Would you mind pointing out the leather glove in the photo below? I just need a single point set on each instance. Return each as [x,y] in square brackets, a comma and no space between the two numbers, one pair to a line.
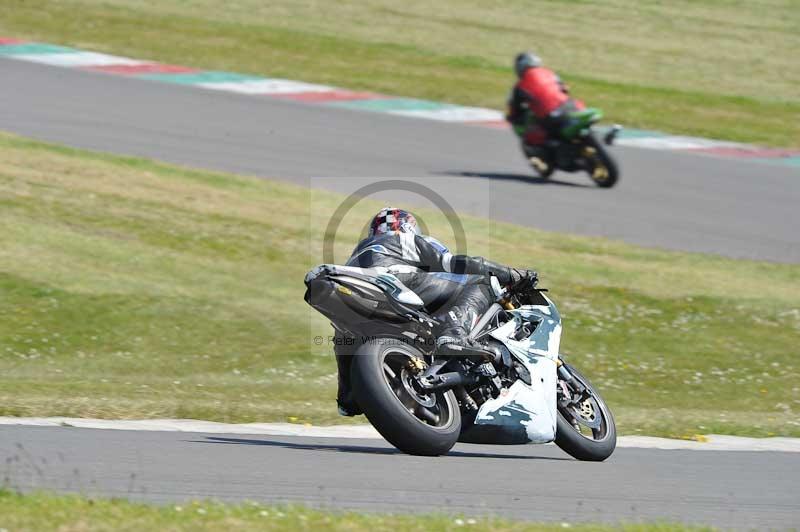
[517,275]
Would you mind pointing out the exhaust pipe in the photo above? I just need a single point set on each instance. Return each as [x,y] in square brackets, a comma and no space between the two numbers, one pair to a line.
[446,381]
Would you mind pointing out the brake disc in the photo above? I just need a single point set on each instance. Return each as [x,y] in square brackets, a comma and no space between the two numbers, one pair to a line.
[587,413]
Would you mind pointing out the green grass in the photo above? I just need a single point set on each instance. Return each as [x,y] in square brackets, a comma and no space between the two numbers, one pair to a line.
[716,68]
[133,289]
[43,511]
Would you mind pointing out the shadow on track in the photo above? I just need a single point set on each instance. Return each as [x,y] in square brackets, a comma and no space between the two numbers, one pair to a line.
[530,179]
[358,448]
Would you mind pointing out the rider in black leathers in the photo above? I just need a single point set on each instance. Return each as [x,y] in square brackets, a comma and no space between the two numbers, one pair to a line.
[454,288]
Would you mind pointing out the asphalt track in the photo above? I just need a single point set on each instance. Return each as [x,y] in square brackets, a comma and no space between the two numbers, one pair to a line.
[537,483]
[667,199]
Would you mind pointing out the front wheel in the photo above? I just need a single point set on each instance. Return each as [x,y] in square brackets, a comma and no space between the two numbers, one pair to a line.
[384,383]
[601,167]
[585,427]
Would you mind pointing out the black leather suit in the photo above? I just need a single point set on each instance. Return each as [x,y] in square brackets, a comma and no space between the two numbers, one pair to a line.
[455,288]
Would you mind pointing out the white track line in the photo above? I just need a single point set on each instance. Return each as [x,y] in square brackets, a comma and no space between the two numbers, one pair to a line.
[77,59]
[677,142]
[266,86]
[711,442]
[454,114]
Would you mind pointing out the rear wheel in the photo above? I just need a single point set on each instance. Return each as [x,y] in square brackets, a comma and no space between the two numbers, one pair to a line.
[384,383]
[585,428]
[602,168]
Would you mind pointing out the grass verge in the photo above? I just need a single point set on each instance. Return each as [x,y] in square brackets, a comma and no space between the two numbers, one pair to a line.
[134,289]
[720,69]
[67,513]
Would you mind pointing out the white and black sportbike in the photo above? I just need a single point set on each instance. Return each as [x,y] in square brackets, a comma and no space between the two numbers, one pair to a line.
[508,385]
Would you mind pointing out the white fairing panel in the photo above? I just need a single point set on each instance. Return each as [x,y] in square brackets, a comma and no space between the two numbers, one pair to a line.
[527,413]
[532,407]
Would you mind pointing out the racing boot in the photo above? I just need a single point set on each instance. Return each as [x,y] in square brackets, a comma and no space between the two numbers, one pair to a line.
[537,159]
[452,341]
[456,342]
[458,322]
[344,395]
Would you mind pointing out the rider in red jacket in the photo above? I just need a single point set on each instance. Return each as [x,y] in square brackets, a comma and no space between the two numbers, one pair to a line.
[539,103]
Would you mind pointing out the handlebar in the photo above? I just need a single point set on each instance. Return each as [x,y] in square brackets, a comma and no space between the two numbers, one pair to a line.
[518,290]
[525,283]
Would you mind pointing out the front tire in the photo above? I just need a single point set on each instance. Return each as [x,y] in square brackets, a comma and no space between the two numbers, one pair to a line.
[602,168]
[383,384]
[573,433]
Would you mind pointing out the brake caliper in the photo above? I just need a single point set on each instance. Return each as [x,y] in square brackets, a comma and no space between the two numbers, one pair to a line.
[416,365]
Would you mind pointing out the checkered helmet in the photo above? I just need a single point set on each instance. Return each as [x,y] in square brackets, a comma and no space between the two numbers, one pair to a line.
[391,220]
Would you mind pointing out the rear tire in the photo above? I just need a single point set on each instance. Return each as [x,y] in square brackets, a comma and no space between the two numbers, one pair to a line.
[392,409]
[576,444]
[604,160]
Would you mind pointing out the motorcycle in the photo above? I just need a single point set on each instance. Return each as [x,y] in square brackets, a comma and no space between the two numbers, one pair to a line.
[508,385]
[576,148]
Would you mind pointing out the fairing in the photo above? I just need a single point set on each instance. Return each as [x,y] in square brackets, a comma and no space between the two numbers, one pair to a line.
[581,120]
[525,413]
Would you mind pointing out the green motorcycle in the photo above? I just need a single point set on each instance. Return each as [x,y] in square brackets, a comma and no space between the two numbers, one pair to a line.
[576,148]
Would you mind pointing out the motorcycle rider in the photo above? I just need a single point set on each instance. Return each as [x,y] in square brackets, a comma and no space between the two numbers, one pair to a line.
[454,288]
[539,106]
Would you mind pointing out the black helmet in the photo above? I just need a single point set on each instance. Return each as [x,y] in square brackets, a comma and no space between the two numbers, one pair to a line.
[526,60]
